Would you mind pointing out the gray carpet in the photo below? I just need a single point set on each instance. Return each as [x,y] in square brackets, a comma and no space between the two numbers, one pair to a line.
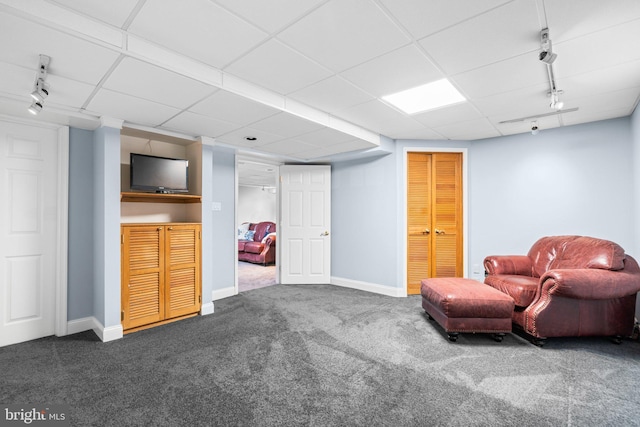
[324,356]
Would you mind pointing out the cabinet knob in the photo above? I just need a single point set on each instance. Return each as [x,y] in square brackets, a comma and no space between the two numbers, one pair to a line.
[170,228]
[159,228]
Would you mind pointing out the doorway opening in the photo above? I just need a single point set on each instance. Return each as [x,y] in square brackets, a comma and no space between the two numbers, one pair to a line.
[257,221]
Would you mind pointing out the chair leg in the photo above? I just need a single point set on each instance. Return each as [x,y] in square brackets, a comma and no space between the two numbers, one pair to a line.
[498,337]
[453,336]
[616,340]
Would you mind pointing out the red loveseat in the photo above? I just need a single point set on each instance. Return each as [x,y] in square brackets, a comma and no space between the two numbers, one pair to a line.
[569,286]
[261,247]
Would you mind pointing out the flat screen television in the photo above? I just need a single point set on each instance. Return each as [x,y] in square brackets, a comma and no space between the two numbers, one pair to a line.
[159,174]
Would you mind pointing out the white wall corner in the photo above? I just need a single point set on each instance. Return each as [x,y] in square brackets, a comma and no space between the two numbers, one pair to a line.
[206,309]
[369,287]
[107,334]
[110,122]
[223,293]
[206,140]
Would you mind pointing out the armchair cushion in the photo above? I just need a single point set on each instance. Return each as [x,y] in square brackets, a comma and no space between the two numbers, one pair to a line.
[521,288]
[253,247]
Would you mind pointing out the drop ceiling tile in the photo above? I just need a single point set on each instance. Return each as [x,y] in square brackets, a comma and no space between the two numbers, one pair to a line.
[67,92]
[113,12]
[346,147]
[401,69]
[424,133]
[344,33]
[587,116]
[68,54]
[566,21]
[233,108]
[198,125]
[156,84]
[238,137]
[199,29]
[473,129]
[609,79]
[286,125]
[129,108]
[325,137]
[331,95]
[622,99]
[424,17]
[379,117]
[505,76]
[17,80]
[497,35]
[277,67]
[461,112]
[598,50]
[287,147]
[270,15]
[516,103]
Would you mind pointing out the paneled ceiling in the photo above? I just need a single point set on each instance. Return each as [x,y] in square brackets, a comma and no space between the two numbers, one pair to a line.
[305,77]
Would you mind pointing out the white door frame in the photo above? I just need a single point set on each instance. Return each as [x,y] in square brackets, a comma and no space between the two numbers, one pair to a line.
[403,208]
[276,165]
[62,243]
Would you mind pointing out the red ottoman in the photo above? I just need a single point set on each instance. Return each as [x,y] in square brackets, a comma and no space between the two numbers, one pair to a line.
[465,305]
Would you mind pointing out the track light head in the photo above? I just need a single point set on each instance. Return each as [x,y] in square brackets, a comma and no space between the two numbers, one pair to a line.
[547,56]
[40,91]
[534,128]
[35,108]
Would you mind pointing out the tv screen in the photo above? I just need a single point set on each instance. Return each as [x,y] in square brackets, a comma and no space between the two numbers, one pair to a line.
[159,174]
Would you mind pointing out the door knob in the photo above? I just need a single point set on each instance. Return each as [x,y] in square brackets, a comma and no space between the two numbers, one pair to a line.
[426,231]
[326,233]
[439,231]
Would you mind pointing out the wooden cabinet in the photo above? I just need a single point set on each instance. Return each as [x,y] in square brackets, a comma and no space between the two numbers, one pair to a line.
[160,273]
[434,217]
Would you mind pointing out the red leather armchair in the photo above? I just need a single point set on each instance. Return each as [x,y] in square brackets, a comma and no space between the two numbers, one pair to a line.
[261,248]
[569,286]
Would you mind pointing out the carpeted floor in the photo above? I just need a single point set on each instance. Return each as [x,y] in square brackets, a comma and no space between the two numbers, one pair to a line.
[324,356]
[255,276]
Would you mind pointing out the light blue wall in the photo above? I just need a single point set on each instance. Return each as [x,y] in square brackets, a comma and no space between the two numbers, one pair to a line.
[207,241]
[106,199]
[569,180]
[364,243]
[81,226]
[224,248]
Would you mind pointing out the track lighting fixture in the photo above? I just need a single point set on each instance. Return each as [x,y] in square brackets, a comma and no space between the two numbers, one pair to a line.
[534,128]
[556,104]
[40,91]
[547,56]
[40,88]
[35,108]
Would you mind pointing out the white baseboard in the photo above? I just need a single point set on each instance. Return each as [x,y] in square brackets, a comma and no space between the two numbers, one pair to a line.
[368,287]
[207,308]
[223,293]
[91,323]
[81,325]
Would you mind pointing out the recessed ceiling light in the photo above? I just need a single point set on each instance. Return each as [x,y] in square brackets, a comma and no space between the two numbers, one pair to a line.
[426,97]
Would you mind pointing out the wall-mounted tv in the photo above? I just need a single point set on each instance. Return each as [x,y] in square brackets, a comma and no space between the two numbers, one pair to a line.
[159,174]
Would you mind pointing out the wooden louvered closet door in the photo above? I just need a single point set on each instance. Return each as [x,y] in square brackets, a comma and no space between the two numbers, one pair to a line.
[434,217]
[160,273]
[183,270]
[142,291]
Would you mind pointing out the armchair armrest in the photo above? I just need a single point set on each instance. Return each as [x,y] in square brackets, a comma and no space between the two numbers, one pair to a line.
[509,264]
[590,283]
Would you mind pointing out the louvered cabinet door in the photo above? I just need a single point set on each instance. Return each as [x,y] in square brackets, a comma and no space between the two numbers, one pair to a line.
[142,275]
[447,215]
[434,217]
[418,219]
[183,289]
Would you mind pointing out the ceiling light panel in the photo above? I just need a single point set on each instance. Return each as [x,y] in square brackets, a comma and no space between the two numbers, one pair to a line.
[426,97]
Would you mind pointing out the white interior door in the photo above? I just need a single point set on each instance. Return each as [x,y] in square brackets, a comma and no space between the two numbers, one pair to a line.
[304,234]
[28,232]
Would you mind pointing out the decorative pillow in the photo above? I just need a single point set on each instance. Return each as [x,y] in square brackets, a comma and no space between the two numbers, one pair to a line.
[264,240]
[242,229]
[248,235]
